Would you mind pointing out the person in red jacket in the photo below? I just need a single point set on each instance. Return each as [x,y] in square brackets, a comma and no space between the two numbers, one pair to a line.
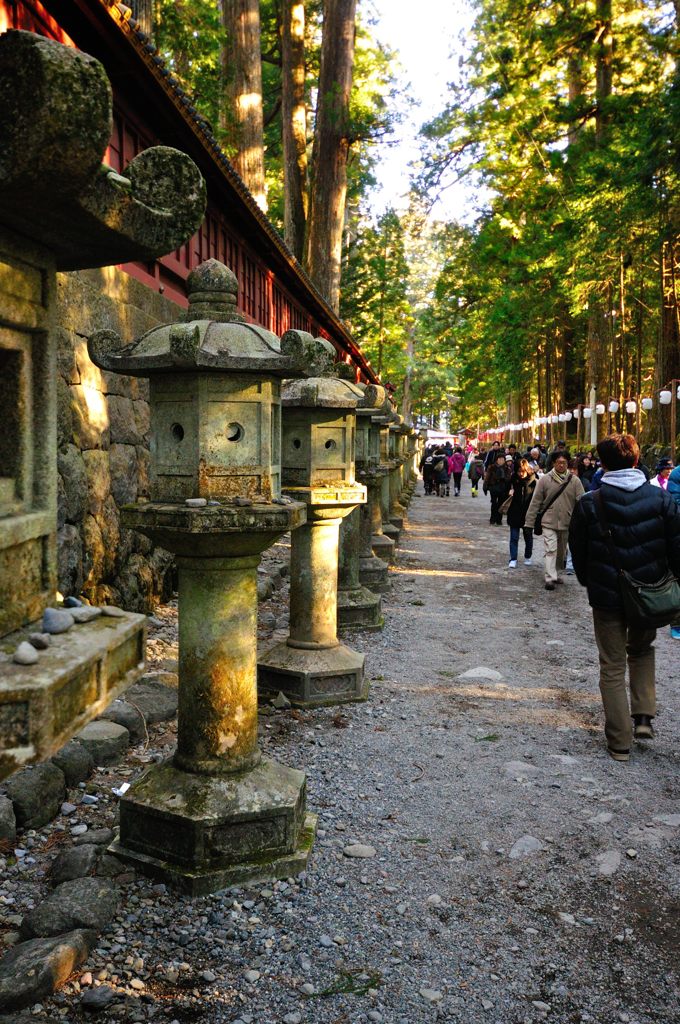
[457,465]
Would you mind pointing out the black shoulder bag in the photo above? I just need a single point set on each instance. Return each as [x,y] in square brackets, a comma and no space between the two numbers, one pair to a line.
[645,605]
[538,521]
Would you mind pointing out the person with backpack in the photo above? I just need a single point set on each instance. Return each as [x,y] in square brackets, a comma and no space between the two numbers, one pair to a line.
[625,527]
[522,488]
[475,473]
[497,485]
[440,472]
[426,464]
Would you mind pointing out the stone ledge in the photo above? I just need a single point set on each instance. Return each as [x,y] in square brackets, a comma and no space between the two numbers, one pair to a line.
[77,677]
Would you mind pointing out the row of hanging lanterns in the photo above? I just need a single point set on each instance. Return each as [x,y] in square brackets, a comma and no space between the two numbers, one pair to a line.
[665,398]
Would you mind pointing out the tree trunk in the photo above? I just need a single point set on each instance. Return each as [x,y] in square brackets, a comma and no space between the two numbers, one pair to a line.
[294,124]
[330,150]
[242,68]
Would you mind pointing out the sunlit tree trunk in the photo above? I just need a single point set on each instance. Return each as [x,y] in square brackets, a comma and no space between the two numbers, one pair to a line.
[328,186]
[294,124]
[242,68]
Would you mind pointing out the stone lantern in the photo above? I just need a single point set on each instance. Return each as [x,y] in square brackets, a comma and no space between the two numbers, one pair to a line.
[360,607]
[382,544]
[312,667]
[389,465]
[217,813]
[397,511]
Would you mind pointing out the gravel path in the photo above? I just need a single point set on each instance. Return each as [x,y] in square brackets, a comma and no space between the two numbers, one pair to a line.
[518,874]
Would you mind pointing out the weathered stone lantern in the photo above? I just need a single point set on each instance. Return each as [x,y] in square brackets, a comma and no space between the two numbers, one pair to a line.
[359,607]
[397,511]
[388,463]
[312,667]
[382,545]
[217,813]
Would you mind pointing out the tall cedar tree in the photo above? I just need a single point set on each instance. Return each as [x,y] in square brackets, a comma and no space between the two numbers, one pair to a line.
[294,123]
[328,179]
[242,69]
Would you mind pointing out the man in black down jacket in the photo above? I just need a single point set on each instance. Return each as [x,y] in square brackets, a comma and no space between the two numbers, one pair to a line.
[645,526]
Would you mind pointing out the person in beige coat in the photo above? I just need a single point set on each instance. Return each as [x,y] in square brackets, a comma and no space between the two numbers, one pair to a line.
[556,518]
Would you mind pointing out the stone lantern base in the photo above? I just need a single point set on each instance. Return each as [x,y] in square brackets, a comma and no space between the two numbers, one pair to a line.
[374,573]
[312,678]
[360,609]
[203,833]
[383,548]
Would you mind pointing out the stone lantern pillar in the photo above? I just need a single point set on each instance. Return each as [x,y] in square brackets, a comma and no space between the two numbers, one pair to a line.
[359,607]
[386,465]
[396,511]
[217,813]
[312,667]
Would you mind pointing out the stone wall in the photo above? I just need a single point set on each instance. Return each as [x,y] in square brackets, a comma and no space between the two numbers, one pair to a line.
[103,444]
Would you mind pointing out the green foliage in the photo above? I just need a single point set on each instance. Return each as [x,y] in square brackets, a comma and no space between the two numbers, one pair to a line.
[582,184]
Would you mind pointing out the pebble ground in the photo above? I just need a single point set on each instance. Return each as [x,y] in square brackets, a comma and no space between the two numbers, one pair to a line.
[518,875]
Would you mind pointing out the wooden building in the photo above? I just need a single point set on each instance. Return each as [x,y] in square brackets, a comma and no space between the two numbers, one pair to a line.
[150,108]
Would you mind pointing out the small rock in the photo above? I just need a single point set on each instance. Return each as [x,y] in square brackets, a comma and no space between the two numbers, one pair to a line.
[359,850]
[107,742]
[32,970]
[608,862]
[209,976]
[86,614]
[95,999]
[82,903]
[196,502]
[41,641]
[37,793]
[435,899]
[25,654]
[281,701]
[431,995]
[95,836]
[56,620]
[243,502]
[525,847]
[112,612]
[73,602]
[307,989]
[77,862]
[292,1018]
[567,918]
[326,941]
[543,1007]
[487,1004]
[482,672]
[128,716]
[67,808]
[75,762]
[252,976]
[672,820]
[8,822]
[137,984]
[631,854]
[268,621]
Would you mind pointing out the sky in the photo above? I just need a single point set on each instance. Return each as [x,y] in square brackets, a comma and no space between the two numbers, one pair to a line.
[429,36]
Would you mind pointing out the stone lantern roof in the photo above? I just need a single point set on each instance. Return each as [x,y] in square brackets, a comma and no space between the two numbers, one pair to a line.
[321,393]
[211,336]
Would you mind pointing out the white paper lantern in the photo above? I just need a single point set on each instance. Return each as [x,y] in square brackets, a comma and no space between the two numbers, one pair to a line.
[577,413]
[613,406]
[665,397]
[525,425]
[677,393]
[631,407]
[567,416]
[599,409]
[554,419]
[561,418]
[587,412]
[647,404]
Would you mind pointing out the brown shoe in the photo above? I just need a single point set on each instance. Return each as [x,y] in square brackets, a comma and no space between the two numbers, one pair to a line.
[619,755]
[642,727]
[550,586]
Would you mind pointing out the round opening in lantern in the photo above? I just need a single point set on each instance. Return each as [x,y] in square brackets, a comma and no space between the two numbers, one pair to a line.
[234,432]
[330,444]
[177,431]
[297,443]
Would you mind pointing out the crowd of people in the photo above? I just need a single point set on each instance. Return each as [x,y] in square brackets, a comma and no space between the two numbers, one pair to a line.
[563,498]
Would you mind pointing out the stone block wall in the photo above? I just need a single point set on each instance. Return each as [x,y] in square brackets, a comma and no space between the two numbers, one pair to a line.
[103,445]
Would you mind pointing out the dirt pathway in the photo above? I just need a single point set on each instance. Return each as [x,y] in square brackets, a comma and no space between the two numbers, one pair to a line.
[517,873]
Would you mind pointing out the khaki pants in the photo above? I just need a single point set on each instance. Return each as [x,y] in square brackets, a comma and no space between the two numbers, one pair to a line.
[616,643]
[555,550]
